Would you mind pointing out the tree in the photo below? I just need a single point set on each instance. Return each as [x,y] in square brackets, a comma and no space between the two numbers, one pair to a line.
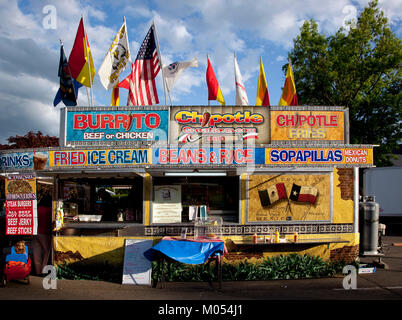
[360,69]
[30,140]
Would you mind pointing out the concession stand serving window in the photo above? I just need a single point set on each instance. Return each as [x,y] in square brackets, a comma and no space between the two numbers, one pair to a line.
[102,199]
[220,195]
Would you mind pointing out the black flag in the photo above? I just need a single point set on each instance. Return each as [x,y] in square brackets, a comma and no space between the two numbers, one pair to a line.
[68,92]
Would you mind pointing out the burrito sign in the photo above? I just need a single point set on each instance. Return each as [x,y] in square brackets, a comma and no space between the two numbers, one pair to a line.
[85,126]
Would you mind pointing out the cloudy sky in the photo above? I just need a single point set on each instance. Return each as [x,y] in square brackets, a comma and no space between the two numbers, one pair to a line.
[30,33]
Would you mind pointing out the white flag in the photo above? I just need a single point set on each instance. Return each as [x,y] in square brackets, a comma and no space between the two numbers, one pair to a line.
[241,95]
[116,59]
[173,70]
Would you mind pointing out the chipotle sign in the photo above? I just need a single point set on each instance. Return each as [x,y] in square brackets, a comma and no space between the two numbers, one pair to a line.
[216,124]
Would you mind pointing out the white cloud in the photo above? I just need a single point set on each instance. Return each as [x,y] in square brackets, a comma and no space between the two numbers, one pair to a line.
[23,105]
[280,58]
[29,53]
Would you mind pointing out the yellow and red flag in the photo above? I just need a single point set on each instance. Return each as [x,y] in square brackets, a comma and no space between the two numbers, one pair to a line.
[262,88]
[289,95]
[214,92]
[115,95]
[80,61]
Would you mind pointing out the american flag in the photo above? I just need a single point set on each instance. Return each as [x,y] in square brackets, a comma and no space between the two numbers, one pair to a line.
[141,81]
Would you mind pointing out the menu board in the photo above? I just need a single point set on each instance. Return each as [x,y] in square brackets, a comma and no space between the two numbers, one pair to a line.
[136,269]
[166,207]
[21,205]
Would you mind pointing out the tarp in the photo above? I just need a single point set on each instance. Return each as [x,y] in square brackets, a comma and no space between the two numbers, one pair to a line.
[187,251]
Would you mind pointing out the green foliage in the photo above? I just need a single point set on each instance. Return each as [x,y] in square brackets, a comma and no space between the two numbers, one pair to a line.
[30,140]
[100,272]
[359,67]
[291,266]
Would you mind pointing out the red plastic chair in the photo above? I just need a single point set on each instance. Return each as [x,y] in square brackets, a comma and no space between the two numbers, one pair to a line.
[17,270]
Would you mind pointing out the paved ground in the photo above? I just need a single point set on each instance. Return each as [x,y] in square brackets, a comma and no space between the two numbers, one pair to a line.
[385,285]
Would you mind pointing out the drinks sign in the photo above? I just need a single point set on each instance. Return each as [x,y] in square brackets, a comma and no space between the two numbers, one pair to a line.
[24,160]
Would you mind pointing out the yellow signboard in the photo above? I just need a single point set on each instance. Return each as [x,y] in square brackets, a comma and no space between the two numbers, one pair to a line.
[307,125]
[309,156]
[99,157]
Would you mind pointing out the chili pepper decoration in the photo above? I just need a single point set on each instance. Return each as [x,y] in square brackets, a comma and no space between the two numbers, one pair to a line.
[129,122]
[205,118]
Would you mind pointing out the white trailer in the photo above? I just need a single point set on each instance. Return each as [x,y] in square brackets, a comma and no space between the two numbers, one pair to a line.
[386,185]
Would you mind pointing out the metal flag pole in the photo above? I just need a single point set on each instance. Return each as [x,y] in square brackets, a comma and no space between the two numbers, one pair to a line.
[89,64]
[125,26]
[160,59]
[234,66]
[207,82]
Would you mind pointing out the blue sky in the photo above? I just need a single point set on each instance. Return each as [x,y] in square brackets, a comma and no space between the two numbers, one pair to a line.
[29,49]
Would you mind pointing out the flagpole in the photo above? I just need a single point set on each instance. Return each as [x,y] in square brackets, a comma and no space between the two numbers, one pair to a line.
[170,99]
[72,79]
[207,83]
[160,60]
[125,25]
[89,64]
[234,66]
[89,102]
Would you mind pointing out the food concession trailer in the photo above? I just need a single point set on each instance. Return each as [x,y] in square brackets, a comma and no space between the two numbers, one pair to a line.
[147,172]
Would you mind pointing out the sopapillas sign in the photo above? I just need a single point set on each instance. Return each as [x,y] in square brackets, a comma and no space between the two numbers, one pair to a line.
[311,156]
[86,126]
